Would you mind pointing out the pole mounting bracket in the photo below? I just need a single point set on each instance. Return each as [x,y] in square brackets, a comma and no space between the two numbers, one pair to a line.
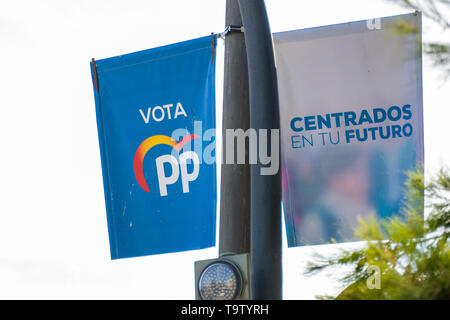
[229,29]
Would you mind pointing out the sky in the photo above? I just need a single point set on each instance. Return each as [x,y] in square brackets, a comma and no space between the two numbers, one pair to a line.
[53,231]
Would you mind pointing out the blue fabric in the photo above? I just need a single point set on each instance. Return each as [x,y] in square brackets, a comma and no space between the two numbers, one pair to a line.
[149,94]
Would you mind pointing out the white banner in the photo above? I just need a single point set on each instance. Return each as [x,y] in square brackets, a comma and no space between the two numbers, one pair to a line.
[351,123]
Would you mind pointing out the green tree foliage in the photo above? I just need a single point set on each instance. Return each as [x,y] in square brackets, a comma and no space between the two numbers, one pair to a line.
[431,9]
[436,11]
[415,262]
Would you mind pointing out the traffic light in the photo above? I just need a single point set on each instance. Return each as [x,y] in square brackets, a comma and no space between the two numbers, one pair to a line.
[224,278]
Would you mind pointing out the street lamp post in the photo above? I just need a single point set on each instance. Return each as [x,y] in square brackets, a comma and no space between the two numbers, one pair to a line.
[265,252]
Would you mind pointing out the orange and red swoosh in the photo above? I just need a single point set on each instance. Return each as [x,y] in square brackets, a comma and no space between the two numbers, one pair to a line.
[149,143]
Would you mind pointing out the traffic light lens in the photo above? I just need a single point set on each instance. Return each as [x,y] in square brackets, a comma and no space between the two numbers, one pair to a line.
[220,281]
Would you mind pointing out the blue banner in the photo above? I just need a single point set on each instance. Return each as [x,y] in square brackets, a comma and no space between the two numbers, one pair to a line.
[156,122]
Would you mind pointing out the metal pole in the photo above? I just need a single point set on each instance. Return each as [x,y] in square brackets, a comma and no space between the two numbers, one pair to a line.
[234,233]
[265,253]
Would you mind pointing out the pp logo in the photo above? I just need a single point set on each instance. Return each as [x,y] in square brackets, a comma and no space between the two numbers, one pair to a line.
[178,169]
[374,24]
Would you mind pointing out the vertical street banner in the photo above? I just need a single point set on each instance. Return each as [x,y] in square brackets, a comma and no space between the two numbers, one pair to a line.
[351,123]
[156,126]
